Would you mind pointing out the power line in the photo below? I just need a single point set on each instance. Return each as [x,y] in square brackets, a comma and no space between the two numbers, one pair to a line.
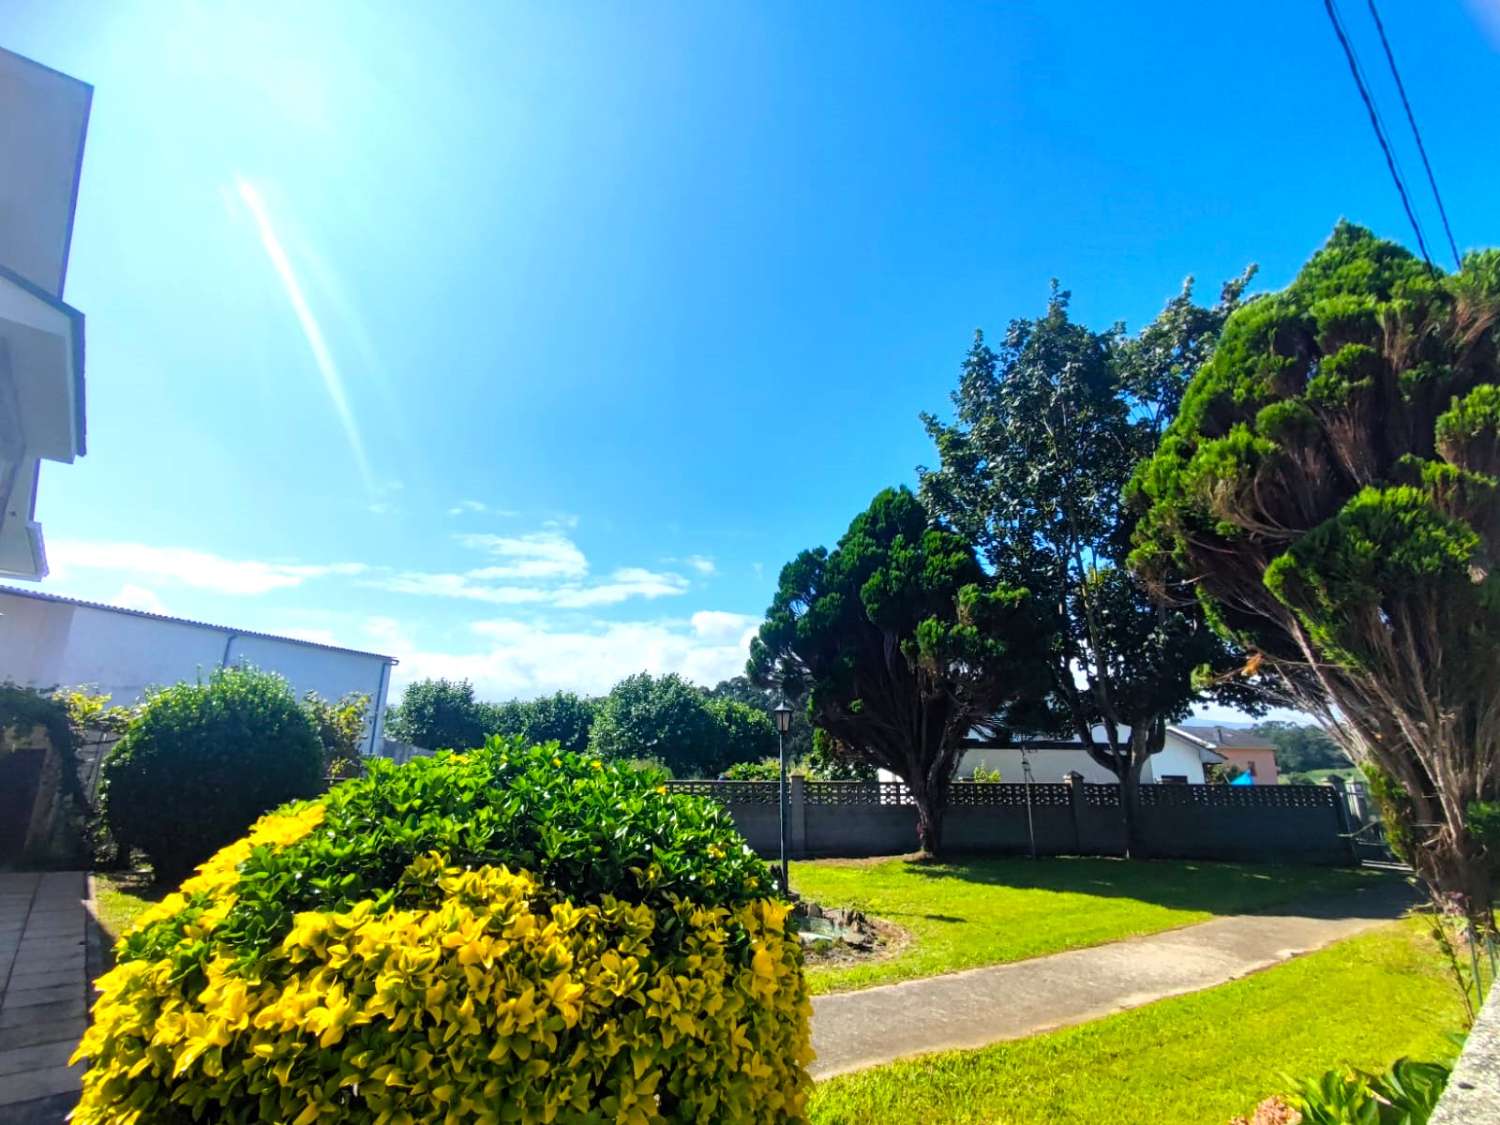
[1364,93]
[1417,133]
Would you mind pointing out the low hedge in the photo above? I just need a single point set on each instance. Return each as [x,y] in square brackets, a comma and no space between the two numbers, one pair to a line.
[515,934]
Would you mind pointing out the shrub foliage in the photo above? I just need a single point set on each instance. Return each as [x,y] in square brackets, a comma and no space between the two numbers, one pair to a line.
[201,761]
[516,934]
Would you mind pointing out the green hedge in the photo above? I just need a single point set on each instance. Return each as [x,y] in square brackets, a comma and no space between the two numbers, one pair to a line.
[201,761]
[514,934]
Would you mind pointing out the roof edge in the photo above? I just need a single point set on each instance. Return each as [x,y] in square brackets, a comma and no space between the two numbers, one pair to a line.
[43,596]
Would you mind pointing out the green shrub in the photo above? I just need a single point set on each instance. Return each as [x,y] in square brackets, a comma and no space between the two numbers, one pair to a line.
[341,730]
[767,770]
[515,934]
[21,710]
[201,761]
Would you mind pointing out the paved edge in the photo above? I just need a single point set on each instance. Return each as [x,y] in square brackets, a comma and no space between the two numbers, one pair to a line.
[1318,924]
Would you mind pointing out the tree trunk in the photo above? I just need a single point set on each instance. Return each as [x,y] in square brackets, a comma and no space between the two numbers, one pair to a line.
[1130,794]
[1459,878]
[931,805]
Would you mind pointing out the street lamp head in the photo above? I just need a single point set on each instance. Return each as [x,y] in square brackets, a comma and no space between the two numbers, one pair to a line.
[783,715]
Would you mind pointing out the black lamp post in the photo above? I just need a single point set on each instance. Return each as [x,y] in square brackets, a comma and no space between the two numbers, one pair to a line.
[783,715]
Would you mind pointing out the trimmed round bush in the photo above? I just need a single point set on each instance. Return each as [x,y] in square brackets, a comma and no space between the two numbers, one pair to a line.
[202,761]
[516,934]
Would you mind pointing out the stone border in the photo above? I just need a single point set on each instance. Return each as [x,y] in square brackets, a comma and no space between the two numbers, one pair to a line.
[1473,1093]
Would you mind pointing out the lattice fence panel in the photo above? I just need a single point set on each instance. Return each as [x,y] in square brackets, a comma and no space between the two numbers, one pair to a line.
[1007,794]
[731,792]
[857,793]
[1101,796]
[1238,796]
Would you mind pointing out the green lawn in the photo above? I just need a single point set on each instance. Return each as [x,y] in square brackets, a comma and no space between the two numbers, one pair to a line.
[989,911]
[1196,1059]
[119,899]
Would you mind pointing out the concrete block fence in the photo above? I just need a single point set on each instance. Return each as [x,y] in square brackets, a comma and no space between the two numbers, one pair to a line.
[1279,823]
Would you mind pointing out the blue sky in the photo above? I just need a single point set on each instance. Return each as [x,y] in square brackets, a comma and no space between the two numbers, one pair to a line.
[526,343]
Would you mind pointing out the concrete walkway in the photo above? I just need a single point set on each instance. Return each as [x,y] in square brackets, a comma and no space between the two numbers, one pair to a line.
[43,991]
[853,1030]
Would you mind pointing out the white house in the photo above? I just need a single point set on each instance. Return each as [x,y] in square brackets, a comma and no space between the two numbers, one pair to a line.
[43,118]
[51,641]
[1181,760]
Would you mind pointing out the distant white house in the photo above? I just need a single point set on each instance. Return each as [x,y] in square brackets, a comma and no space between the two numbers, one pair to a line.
[1181,760]
[51,641]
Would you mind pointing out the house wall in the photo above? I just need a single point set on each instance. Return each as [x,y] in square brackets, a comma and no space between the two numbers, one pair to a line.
[1265,771]
[1178,758]
[54,644]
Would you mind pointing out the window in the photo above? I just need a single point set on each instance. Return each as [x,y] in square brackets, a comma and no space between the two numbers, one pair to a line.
[1174,779]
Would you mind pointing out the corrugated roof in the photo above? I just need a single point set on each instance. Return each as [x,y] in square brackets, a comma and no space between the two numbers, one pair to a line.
[1234,738]
[40,596]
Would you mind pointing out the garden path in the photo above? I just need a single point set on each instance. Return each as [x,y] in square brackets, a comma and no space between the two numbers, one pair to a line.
[976,1007]
[44,933]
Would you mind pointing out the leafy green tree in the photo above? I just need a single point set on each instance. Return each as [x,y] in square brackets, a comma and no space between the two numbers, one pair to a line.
[1329,486]
[439,715]
[746,733]
[1301,746]
[1048,429]
[903,646]
[564,718]
[799,740]
[659,717]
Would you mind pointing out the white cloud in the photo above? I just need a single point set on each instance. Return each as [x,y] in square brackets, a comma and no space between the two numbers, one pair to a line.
[458,586]
[717,627]
[478,507]
[700,563]
[523,659]
[540,554]
[623,584]
[198,569]
[139,597]
[538,568]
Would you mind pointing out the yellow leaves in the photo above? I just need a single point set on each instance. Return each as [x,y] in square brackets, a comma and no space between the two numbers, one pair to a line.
[172,904]
[308,930]
[564,995]
[763,965]
[329,1019]
[500,1003]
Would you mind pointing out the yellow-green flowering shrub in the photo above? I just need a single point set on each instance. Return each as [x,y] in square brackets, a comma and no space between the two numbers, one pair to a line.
[512,935]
